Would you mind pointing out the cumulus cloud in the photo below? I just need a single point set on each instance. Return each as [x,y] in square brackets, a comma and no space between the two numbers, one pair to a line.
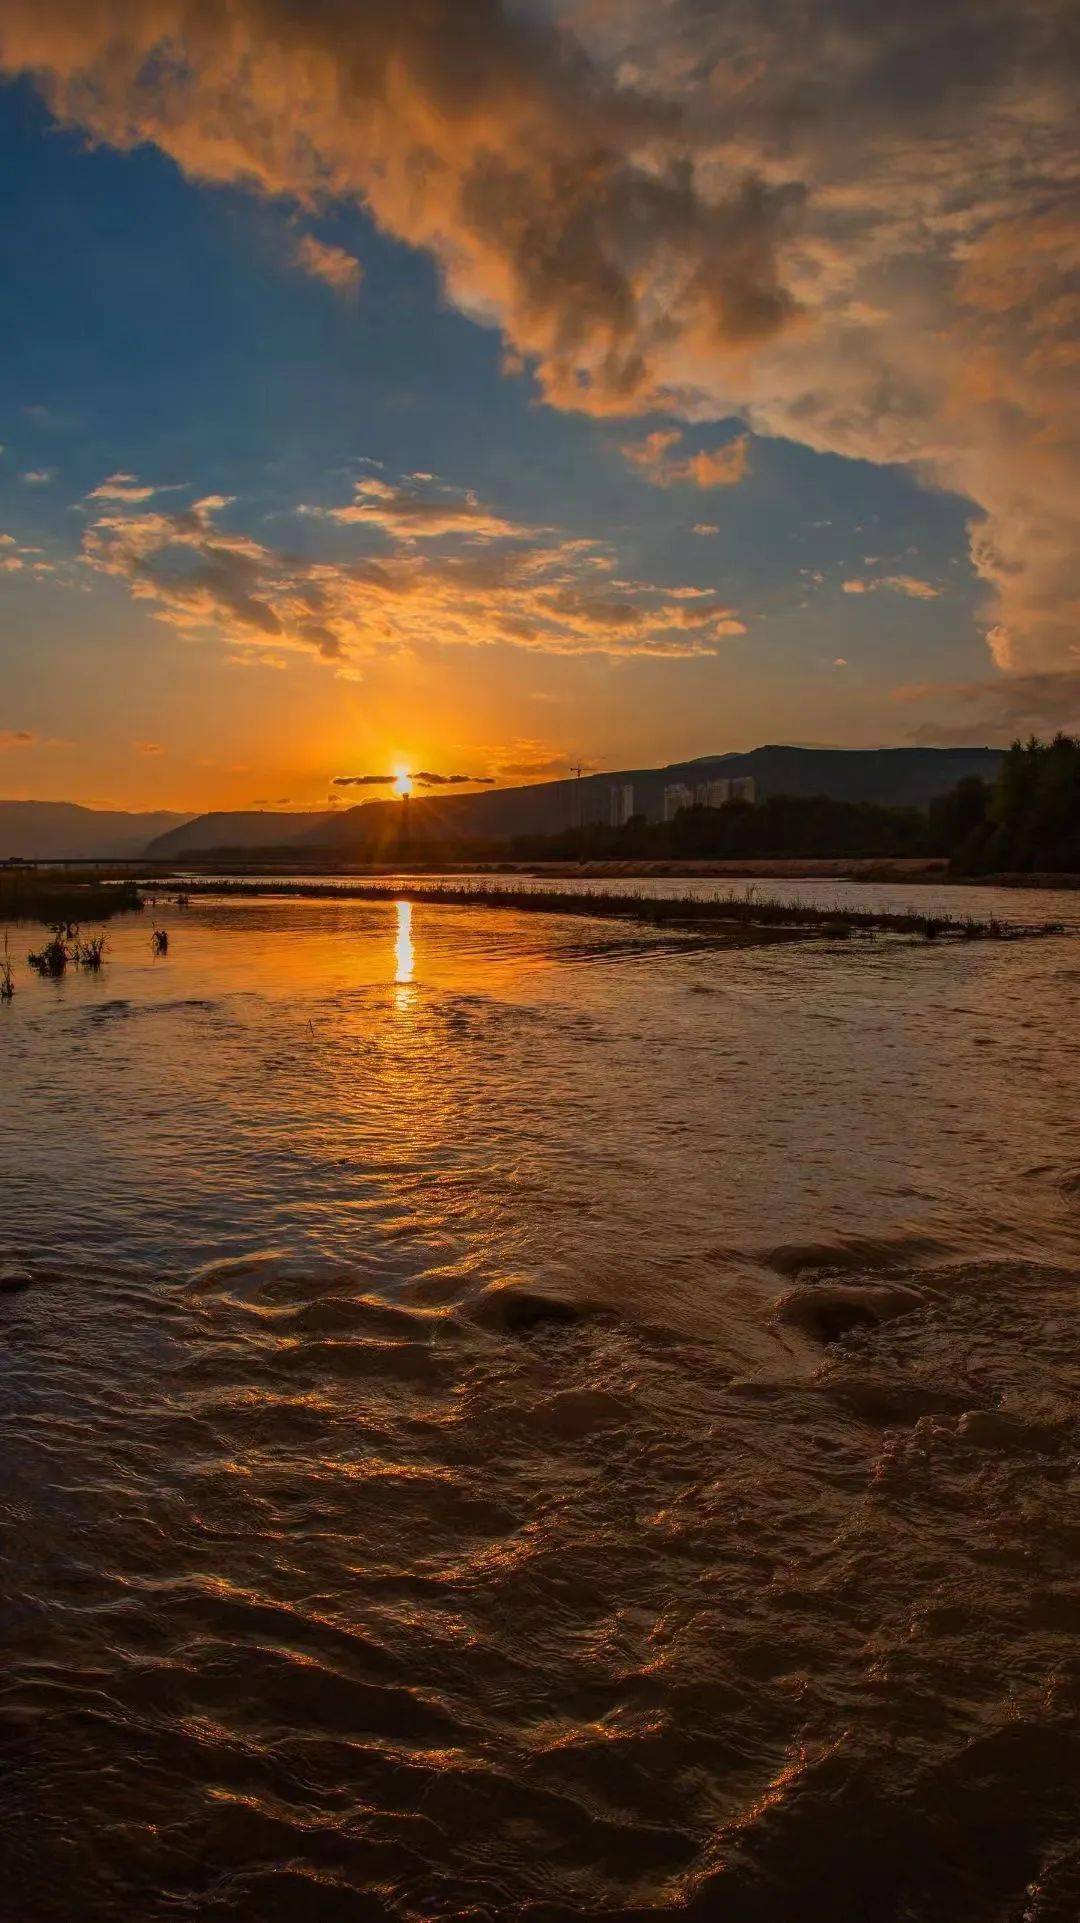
[554,595]
[908,584]
[332,265]
[559,204]
[655,458]
[850,225]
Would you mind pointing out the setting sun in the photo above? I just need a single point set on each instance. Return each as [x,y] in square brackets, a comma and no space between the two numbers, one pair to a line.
[403,785]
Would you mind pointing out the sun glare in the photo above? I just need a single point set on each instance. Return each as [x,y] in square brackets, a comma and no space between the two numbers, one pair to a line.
[402,784]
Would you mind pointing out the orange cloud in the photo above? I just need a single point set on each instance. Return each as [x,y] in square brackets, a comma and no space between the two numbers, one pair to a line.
[556,596]
[415,514]
[702,211]
[908,584]
[129,488]
[332,265]
[557,202]
[655,458]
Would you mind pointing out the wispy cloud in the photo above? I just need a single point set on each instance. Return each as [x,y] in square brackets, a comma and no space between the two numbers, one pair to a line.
[128,488]
[38,476]
[908,584]
[332,265]
[27,738]
[526,760]
[657,459]
[419,512]
[547,593]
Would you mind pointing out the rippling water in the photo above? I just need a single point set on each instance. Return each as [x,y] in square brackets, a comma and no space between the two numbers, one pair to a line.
[416,1506]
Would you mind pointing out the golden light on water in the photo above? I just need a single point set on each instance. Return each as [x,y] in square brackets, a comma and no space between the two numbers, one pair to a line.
[404,957]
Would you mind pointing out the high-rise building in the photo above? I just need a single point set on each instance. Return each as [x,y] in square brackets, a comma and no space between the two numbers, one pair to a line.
[677,795]
[622,803]
[713,794]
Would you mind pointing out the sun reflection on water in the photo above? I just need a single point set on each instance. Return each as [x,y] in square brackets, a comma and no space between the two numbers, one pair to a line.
[404,953]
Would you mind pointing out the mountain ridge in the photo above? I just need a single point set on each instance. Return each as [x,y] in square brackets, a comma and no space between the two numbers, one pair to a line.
[901,776]
[65,830]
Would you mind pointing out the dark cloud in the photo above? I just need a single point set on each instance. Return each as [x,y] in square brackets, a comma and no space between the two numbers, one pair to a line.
[968,713]
[423,780]
[450,781]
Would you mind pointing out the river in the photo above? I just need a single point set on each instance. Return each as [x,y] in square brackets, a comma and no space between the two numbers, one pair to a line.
[424,1494]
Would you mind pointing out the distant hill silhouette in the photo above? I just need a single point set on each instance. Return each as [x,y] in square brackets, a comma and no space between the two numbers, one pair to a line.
[58,830]
[237,828]
[900,776]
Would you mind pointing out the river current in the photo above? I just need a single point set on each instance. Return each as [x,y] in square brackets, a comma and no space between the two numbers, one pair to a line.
[429,1485]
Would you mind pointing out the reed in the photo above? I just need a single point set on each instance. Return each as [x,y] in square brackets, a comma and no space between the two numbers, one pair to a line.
[89,951]
[748,912]
[7,974]
[53,958]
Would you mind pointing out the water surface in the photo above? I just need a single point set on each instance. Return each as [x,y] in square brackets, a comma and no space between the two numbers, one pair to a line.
[415,1507]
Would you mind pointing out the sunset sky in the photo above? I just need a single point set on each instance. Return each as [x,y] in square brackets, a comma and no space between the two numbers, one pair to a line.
[458,385]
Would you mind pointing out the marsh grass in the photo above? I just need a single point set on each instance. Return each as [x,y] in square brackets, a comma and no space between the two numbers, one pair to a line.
[53,958]
[89,951]
[159,941]
[36,894]
[755,916]
[68,947]
[7,974]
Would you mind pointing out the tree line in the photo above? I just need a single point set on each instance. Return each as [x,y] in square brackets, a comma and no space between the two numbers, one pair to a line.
[1028,819]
